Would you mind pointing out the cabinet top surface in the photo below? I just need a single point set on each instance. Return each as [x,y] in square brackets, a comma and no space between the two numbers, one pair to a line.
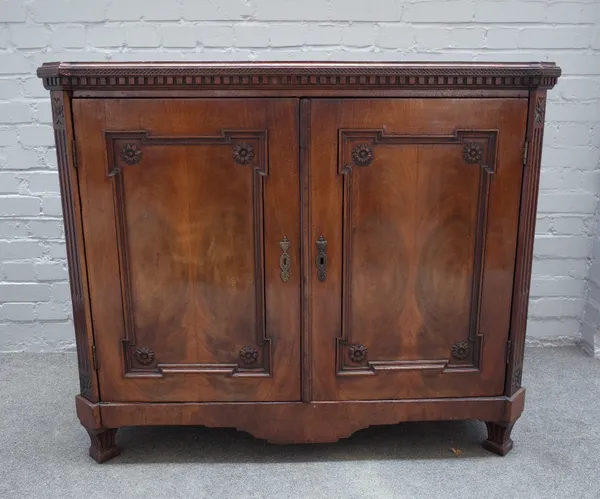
[301,75]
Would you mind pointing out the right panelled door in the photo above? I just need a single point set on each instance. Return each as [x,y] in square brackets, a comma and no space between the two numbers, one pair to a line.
[413,225]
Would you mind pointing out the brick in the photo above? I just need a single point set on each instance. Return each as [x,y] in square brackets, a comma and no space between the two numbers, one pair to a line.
[61,292]
[142,55]
[396,37]
[216,36]
[4,39]
[566,203]
[278,54]
[68,37]
[142,36]
[580,64]
[134,10]
[20,336]
[14,63]
[43,112]
[502,38]
[564,179]
[225,10]
[287,35]
[15,112]
[556,307]
[594,291]
[9,88]
[13,11]
[573,111]
[507,54]
[19,206]
[13,228]
[52,271]
[100,36]
[381,10]
[572,13]
[179,37]
[510,12]
[18,158]
[9,183]
[287,10]
[24,292]
[442,12]
[359,35]
[68,11]
[569,226]
[549,267]
[596,39]
[18,312]
[562,246]
[323,35]
[36,135]
[542,225]
[52,206]
[8,136]
[566,329]
[445,37]
[553,37]
[51,311]
[29,37]
[578,88]
[575,134]
[245,35]
[20,250]
[57,331]
[42,182]
[58,250]
[574,157]
[32,87]
[46,229]
[19,271]
[552,287]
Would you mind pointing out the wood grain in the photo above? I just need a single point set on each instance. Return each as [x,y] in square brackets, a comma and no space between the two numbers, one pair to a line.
[184,185]
[192,269]
[406,235]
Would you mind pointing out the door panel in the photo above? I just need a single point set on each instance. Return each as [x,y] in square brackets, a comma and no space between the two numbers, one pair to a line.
[188,207]
[418,201]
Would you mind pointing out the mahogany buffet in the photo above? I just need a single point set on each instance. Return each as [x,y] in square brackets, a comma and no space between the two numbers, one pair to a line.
[299,250]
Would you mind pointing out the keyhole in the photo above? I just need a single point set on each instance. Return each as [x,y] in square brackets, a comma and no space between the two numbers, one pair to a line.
[321,261]
[285,262]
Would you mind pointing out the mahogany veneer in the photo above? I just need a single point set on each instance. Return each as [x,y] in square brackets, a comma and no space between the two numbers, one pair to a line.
[298,250]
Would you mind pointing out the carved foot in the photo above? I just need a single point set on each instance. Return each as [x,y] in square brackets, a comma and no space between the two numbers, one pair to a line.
[103,445]
[499,440]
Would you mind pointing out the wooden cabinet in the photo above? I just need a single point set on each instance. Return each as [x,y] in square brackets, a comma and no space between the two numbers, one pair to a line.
[298,250]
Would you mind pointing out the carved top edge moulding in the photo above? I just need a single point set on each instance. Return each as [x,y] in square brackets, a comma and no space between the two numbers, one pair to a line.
[296,75]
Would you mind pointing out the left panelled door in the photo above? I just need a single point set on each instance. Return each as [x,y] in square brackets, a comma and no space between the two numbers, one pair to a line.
[190,210]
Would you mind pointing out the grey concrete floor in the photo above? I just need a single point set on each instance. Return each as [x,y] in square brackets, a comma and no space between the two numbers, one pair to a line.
[43,450]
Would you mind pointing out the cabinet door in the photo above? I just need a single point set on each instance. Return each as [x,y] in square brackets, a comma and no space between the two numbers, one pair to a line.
[191,223]
[414,208]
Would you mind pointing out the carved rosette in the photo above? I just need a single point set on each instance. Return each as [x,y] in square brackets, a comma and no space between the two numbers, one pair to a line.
[473,153]
[243,154]
[131,153]
[460,350]
[144,356]
[248,355]
[358,353]
[362,155]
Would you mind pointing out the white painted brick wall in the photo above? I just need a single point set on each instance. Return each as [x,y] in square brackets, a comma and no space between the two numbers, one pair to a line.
[34,299]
